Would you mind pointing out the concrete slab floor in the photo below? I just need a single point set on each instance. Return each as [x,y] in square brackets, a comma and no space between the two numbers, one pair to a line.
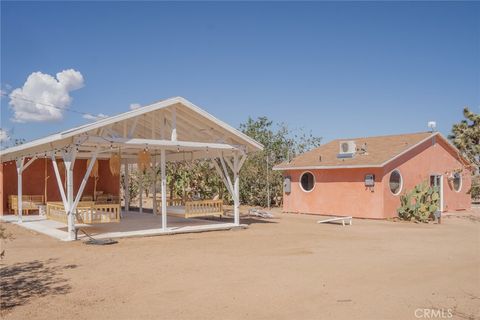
[133,224]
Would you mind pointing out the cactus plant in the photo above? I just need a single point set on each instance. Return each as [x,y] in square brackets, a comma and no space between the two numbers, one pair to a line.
[419,204]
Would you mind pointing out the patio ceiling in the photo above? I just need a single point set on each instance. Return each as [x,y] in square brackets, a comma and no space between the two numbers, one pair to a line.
[175,125]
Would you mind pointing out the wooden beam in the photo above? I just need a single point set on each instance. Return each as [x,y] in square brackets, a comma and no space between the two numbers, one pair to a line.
[174,123]
[191,122]
[132,128]
[26,165]
[19,163]
[69,161]
[165,144]
[228,162]
[153,126]
[85,180]
[59,182]
[220,173]
[236,190]
[164,189]
[227,176]
[242,161]
[127,185]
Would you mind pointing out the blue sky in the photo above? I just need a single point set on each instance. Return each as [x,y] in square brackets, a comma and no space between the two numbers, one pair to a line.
[342,69]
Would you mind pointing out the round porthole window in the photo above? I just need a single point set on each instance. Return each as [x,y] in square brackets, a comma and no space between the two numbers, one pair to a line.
[457,181]
[395,182]
[307,181]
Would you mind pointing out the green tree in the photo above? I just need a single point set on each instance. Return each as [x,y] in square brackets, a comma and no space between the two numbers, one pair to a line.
[466,137]
[280,144]
[194,180]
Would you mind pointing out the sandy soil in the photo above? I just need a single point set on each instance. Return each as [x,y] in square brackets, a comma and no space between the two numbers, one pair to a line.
[286,268]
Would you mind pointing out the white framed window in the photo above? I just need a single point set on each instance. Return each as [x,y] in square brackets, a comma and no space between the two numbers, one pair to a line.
[395,182]
[457,181]
[307,181]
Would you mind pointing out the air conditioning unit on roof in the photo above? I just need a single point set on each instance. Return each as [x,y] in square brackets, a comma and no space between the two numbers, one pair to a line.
[347,149]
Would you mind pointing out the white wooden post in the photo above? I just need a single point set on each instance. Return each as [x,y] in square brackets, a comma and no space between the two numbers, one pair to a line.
[236,189]
[69,160]
[19,189]
[154,169]
[154,191]
[140,189]
[127,186]
[164,189]
[174,124]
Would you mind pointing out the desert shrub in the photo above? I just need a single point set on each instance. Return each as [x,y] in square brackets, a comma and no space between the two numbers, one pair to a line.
[419,204]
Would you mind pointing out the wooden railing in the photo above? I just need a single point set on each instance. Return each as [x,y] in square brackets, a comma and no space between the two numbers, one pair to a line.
[55,211]
[29,202]
[203,208]
[87,212]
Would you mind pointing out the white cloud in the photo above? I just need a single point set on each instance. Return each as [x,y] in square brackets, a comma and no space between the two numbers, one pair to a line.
[4,135]
[4,89]
[94,117]
[134,106]
[43,97]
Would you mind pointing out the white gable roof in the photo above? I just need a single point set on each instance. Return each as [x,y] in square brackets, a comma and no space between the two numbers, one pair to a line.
[192,124]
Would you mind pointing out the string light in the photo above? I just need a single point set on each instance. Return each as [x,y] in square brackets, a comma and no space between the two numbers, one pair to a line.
[17,96]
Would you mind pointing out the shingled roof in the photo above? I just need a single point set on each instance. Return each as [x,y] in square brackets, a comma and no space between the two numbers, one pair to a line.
[379,151]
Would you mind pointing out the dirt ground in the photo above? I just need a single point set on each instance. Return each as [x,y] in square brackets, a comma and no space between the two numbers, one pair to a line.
[285,268]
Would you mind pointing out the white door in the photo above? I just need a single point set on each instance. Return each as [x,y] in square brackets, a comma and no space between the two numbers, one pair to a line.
[436,180]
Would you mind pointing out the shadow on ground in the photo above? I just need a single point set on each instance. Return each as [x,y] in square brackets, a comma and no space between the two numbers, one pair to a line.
[23,281]
[253,220]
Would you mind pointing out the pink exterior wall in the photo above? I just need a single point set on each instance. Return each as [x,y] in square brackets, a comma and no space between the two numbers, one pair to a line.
[417,166]
[337,192]
[342,191]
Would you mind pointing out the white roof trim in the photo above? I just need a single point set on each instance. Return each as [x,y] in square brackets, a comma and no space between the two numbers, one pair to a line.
[327,167]
[409,149]
[128,115]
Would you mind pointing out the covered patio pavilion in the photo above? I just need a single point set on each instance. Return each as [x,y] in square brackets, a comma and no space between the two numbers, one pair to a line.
[169,130]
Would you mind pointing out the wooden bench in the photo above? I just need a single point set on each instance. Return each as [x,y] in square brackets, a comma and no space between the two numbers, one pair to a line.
[343,219]
[87,212]
[107,199]
[203,208]
[192,209]
[87,198]
[29,203]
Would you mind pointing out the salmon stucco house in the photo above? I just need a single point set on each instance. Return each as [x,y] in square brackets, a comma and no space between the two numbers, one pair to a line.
[365,177]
